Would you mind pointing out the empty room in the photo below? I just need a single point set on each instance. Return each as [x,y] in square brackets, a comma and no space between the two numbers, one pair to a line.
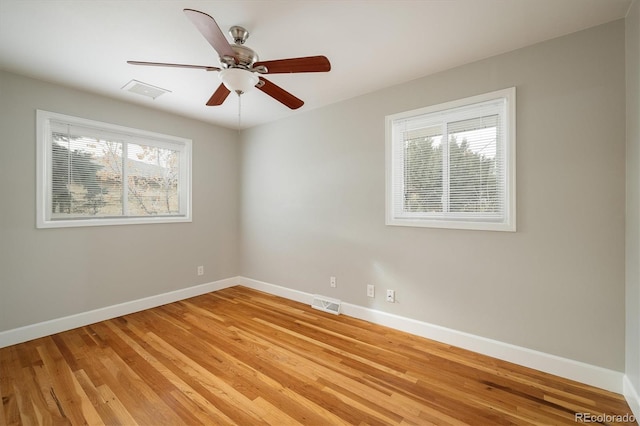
[319,212]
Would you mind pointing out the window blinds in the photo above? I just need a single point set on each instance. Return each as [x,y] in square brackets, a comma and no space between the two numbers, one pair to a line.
[98,173]
[450,164]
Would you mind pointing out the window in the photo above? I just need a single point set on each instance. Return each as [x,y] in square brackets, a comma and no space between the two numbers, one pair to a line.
[453,165]
[92,173]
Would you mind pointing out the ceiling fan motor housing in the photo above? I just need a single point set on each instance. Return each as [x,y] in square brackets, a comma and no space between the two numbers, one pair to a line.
[245,57]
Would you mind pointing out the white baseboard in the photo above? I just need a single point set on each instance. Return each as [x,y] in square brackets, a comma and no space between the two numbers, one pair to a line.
[563,367]
[46,328]
[276,290]
[575,370]
[631,395]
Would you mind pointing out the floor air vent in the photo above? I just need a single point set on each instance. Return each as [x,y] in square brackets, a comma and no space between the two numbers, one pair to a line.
[326,304]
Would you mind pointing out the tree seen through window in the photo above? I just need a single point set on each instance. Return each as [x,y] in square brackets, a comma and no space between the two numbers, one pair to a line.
[87,176]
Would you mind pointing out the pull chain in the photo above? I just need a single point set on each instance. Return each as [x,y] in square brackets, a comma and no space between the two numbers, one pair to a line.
[239,108]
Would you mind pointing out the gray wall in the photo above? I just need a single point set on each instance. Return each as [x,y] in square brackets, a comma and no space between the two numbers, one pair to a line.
[633,196]
[308,203]
[51,273]
[313,205]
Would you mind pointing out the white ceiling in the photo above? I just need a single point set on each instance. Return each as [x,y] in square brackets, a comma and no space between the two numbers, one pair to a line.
[371,44]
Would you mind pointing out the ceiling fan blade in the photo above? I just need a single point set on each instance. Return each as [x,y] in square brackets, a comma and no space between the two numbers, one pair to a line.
[211,31]
[279,94]
[218,96]
[163,64]
[306,64]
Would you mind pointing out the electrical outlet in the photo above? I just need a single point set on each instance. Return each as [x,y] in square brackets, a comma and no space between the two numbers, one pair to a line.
[391,296]
[333,282]
[200,270]
[371,290]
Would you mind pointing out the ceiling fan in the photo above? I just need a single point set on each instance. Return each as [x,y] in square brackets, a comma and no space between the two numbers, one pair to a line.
[240,68]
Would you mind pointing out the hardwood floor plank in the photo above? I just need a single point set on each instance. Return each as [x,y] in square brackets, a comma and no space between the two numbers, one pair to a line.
[260,346]
[222,394]
[104,409]
[239,356]
[3,416]
[284,367]
[123,416]
[39,386]
[11,412]
[71,401]
[202,408]
[137,395]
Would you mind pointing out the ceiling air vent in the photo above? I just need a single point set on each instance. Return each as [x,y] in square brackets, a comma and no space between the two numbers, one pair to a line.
[144,89]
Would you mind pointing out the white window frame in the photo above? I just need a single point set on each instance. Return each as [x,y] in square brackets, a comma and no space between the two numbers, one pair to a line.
[431,115]
[44,142]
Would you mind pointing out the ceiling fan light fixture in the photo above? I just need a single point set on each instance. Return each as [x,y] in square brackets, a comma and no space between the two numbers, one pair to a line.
[238,80]
[241,65]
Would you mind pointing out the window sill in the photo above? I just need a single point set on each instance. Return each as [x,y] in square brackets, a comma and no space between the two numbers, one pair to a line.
[453,224]
[70,223]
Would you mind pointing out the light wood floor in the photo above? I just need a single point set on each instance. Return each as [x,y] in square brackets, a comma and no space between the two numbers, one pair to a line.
[238,356]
